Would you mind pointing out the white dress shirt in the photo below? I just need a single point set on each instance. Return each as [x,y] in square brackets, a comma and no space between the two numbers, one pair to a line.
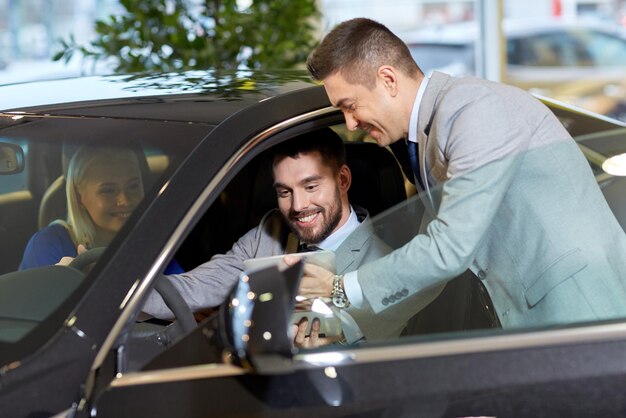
[350,281]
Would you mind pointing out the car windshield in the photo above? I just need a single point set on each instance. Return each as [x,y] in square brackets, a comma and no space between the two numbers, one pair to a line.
[70,185]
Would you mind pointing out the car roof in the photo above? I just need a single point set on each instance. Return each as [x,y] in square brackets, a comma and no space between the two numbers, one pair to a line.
[126,96]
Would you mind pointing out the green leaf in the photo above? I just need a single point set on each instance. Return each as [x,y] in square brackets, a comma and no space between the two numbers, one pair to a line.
[208,34]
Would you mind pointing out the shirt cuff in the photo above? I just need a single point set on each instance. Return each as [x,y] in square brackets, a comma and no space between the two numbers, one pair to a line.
[351,330]
[353,289]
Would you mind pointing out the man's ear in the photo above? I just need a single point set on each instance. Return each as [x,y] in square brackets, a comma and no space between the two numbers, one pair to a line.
[344,178]
[388,77]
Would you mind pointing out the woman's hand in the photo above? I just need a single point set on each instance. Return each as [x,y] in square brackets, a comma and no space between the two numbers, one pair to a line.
[65,261]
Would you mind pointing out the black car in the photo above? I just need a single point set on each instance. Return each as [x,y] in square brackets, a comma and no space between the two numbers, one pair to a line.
[73,341]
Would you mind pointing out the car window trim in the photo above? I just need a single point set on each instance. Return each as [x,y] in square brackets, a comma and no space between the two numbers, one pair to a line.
[522,339]
[203,371]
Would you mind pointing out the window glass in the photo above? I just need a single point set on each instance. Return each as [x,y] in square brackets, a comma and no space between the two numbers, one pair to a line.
[110,166]
[464,304]
[605,50]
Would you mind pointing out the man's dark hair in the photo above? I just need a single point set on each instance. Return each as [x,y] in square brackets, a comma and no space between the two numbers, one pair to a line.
[325,141]
[357,48]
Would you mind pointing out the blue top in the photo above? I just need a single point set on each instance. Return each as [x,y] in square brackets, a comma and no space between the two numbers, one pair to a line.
[48,245]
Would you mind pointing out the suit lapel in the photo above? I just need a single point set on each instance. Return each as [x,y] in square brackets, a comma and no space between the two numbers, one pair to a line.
[349,252]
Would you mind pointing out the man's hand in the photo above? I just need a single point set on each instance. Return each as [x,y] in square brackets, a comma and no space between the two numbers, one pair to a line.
[314,340]
[65,261]
[316,282]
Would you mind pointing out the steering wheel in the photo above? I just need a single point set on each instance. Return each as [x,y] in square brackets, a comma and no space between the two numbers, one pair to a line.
[185,321]
[84,260]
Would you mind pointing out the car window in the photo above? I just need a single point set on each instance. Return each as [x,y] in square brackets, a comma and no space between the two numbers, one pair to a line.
[558,49]
[463,307]
[228,232]
[605,50]
[114,166]
[464,303]
[574,48]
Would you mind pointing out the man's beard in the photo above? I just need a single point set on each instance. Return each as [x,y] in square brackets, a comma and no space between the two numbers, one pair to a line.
[330,222]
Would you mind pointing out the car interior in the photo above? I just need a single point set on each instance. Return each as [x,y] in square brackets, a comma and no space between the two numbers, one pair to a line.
[377,184]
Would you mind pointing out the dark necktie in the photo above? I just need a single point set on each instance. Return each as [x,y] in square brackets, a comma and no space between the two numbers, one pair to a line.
[415,165]
[306,248]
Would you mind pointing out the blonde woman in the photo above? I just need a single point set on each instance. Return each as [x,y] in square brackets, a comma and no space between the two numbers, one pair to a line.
[103,188]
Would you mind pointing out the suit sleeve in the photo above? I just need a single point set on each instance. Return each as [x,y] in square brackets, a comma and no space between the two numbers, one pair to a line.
[483,146]
[209,284]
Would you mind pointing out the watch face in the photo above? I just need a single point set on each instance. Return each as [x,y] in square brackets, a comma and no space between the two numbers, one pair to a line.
[339,301]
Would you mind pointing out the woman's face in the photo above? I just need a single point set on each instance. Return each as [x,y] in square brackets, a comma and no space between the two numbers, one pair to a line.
[110,191]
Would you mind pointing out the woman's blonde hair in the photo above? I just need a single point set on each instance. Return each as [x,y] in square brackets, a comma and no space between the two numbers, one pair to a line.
[79,223]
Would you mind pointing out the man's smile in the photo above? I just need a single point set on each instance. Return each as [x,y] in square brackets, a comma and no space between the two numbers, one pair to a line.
[307,219]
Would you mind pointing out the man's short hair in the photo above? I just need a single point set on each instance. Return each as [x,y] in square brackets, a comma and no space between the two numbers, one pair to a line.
[325,141]
[357,48]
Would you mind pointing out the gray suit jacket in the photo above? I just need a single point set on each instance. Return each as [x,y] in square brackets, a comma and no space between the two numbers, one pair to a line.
[516,202]
[209,284]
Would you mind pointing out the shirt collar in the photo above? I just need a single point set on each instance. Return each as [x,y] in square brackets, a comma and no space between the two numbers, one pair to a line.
[334,240]
[415,111]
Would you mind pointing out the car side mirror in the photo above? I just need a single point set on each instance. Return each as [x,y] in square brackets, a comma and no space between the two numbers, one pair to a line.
[11,158]
[258,318]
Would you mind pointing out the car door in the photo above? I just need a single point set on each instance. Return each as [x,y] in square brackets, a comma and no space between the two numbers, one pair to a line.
[447,371]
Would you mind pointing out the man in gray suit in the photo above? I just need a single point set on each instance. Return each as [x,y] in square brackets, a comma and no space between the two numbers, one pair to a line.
[311,180]
[519,205]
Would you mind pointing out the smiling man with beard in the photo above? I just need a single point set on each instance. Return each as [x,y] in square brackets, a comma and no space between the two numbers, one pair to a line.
[311,180]
[312,190]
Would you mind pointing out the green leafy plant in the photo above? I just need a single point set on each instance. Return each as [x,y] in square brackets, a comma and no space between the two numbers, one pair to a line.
[175,35]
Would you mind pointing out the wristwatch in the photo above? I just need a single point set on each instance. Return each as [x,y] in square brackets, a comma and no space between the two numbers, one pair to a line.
[338,295]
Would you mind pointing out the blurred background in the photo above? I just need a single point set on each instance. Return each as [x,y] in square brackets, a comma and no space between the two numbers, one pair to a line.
[569,50]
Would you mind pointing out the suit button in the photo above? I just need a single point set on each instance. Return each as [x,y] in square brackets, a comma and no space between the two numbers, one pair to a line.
[405,292]
[398,295]
[392,298]
[385,301]
[482,274]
